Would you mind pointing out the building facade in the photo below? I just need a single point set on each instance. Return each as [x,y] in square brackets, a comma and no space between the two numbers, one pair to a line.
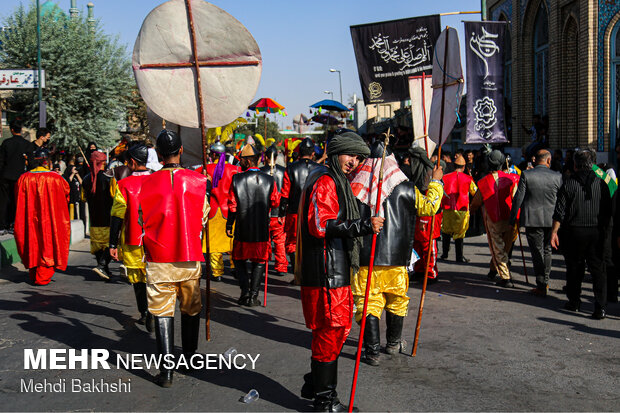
[563,64]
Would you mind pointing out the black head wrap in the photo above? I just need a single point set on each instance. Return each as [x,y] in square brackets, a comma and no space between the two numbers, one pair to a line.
[347,143]
[421,168]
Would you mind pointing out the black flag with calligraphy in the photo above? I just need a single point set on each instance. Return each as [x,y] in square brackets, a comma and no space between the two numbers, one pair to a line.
[484,51]
[387,53]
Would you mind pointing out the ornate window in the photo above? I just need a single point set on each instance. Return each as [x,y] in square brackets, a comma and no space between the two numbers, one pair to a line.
[614,88]
[541,61]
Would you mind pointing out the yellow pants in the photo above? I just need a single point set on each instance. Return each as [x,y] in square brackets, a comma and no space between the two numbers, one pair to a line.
[388,290]
[99,238]
[217,263]
[167,281]
[501,235]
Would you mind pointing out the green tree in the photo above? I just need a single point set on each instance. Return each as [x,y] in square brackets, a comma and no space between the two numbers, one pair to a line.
[88,76]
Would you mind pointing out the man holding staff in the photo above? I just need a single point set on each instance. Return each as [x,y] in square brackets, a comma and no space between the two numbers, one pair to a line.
[329,244]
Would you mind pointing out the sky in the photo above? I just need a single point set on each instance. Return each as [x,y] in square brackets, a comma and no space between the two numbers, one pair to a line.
[299,40]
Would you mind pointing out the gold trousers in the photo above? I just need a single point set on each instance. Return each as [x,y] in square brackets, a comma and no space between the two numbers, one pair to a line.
[388,290]
[167,281]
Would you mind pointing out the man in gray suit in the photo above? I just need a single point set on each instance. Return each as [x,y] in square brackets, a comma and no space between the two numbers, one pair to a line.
[536,196]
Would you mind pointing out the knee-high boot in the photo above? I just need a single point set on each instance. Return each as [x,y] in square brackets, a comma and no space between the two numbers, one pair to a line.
[258,272]
[458,246]
[244,282]
[325,380]
[190,326]
[372,341]
[164,336]
[393,334]
[139,290]
[445,246]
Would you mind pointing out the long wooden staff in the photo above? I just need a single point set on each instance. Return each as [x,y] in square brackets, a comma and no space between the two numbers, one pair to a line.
[430,238]
[522,254]
[369,277]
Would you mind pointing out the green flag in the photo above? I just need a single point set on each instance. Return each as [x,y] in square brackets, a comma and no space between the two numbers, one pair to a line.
[603,175]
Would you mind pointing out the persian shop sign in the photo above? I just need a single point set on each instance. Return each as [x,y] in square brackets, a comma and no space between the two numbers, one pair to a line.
[20,79]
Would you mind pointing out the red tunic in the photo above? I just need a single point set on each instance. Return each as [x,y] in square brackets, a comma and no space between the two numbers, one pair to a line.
[172,203]
[42,226]
[220,194]
[456,191]
[130,189]
[497,195]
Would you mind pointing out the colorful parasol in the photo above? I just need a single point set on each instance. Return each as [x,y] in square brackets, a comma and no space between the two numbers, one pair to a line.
[267,105]
[330,105]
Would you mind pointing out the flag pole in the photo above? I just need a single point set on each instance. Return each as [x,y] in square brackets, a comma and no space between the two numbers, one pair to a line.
[371,265]
[430,238]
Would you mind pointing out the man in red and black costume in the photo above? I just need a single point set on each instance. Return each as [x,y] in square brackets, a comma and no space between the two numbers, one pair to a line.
[329,237]
[124,227]
[42,226]
[276,226]
[96,191]
[221,174]
[174,208]
[252,195]
[294,180]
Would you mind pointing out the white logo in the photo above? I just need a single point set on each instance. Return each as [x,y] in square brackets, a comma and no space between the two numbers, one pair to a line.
[375,90]
[485,111]
[484,47]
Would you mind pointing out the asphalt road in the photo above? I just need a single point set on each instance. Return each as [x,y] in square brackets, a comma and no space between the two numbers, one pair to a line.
[482,348]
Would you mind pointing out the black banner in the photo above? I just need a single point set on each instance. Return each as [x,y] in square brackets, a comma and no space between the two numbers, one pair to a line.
[387,53]
[484,51]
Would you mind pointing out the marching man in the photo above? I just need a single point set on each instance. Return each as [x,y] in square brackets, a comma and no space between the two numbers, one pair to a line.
[124,227]
[174,209]
[330,231]
[252,195]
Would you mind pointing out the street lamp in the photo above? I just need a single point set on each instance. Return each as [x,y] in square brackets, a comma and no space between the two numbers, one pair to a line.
[331,93]
[340,80]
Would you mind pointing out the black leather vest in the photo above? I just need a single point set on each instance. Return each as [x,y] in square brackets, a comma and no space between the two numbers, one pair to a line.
[395,241]
[99,203]
[325,261]
[298,172]
[278,175]
[252,189]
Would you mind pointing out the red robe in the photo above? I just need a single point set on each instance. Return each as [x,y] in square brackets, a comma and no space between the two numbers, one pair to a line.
[42,225]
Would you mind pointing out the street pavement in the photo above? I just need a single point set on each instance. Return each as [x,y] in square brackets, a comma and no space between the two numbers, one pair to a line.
[482,348]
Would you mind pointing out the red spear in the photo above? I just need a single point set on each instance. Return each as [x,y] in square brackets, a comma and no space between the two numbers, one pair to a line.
[368,278]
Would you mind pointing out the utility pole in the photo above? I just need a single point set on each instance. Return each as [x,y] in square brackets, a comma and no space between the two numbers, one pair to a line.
[483,8]
[42,115]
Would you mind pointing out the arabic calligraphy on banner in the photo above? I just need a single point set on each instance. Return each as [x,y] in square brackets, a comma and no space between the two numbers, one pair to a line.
[20,79]
[387,53]
[485,78]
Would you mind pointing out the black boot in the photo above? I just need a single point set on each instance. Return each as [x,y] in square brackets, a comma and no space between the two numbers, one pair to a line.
[139,290]
[372,339]
[190,326]
[458,246]
[307,390]
[445,246]
[164,335]
[325,380]
[258,273]
[395,343]
[244,282]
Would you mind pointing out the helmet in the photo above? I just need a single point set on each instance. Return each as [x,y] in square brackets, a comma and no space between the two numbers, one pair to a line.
[218,147]
[139,152]
[168,142]
[306,147]
[376,150]
[272,150]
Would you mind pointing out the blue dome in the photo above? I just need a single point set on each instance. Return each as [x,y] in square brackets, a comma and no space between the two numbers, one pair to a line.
[49,7]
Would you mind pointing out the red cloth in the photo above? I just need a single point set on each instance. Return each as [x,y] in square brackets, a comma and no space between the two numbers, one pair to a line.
[130,189]
[497,195]
[290,230]
[421,244]
[42,225]
[456,191]
[276,232]
[329,313]
[253,251]
[171,201]
[285,192]
[219,195]
[323,206]
[41,275]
